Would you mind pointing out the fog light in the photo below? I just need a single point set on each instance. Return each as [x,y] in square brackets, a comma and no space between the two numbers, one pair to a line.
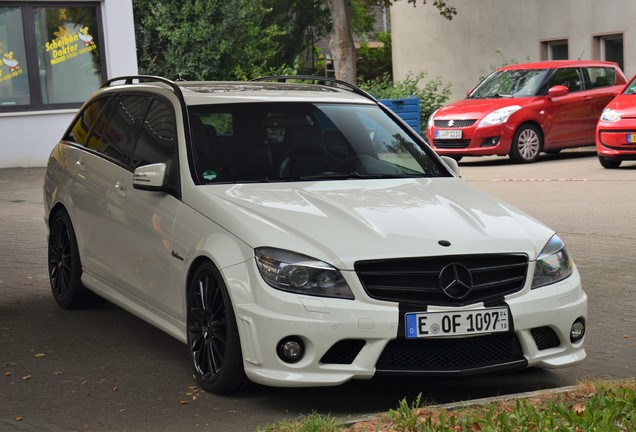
[577,331]
[291,349]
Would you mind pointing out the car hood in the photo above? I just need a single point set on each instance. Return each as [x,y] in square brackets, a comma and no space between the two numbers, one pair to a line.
[341,222]
[476,109]
[625,104]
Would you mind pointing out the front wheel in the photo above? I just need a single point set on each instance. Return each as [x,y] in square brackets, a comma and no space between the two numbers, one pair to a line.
[213,338]
[526,144]
[65,267]
[609,163]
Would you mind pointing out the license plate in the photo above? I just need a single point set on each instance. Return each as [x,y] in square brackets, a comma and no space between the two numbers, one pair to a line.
[457,323]
[448,134]
[631,138]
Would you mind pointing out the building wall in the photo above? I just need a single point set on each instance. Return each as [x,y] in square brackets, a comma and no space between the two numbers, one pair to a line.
[486,34]
[28,137]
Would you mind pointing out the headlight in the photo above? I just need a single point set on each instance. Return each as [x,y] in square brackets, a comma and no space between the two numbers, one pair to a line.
[553,264]
[430,119]
[292,272]
[611,116]
[499,116]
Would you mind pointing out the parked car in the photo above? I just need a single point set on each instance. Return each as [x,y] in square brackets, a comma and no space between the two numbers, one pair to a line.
[299,234]
[525,109]
[616,129]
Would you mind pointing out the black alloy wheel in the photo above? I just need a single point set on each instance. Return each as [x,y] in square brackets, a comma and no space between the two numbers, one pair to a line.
[65,267]
[213,337]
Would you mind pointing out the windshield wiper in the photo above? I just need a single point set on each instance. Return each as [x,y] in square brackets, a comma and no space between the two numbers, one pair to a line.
[355,175]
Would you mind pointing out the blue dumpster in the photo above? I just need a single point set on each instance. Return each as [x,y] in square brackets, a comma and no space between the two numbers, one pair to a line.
[408,109]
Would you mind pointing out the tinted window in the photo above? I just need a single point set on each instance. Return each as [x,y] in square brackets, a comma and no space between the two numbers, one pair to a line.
[157,138]
[302,141]
[87,119]
[115,133]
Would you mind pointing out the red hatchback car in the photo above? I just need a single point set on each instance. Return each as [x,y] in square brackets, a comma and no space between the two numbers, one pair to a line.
[524,109]
[616,129]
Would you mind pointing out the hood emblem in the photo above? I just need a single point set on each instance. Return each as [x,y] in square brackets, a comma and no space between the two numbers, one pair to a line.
[456,281]
[451,123]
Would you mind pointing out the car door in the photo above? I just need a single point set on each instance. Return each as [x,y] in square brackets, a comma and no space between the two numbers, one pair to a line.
[142,221]
[95,154]
[567,116]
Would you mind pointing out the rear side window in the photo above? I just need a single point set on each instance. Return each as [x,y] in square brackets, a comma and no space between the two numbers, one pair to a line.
[86,120]
[601,76]
[114,134]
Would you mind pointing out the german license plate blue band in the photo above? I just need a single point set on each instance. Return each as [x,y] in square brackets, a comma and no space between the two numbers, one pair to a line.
[456,323]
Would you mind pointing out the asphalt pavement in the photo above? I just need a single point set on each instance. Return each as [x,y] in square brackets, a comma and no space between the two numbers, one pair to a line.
[106,370]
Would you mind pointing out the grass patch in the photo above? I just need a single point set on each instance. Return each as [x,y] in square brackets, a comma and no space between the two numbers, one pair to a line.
[594,406]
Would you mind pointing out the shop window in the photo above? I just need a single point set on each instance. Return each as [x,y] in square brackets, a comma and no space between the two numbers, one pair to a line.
[51,55]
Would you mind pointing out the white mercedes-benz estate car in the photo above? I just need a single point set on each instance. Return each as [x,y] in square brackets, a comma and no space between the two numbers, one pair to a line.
[292,231]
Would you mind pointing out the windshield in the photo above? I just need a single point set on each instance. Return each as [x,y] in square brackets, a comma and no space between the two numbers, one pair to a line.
[510,83]
[631,87]
[302,141]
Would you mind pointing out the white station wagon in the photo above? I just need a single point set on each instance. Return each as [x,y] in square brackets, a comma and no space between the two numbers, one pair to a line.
[292,231]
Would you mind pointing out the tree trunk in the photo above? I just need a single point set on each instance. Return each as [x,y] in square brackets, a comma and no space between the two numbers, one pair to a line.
[343,50]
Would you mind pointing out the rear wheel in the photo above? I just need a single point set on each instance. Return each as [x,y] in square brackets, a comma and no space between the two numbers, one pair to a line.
[609,163]
[526,144]
[213,338]
[65,267]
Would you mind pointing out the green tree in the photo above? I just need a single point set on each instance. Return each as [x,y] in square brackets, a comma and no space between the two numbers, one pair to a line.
[225,39]
[341,43]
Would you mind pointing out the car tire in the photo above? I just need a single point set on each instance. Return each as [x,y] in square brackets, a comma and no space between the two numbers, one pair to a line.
[212,334]
[65,266]
[609,163]
[526,144]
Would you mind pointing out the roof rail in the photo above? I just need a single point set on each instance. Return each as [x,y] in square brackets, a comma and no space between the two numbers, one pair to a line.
[327,81]
[128,80]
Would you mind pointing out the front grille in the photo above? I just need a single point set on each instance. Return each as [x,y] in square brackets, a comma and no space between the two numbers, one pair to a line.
[456,124]
[415,281]
[545,338]
[451,143]
[450,355]
[343,352]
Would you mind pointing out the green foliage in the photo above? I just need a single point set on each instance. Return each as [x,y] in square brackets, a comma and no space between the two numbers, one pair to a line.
[610,408]
[404,417]
[374,63]
[432,95]
[225,40]
[311,423]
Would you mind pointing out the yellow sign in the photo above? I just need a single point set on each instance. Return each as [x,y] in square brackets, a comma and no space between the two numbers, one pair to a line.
[13,65]
[67,45]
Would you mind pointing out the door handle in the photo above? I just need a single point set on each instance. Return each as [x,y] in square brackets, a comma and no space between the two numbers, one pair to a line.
[120,188]
[80,164]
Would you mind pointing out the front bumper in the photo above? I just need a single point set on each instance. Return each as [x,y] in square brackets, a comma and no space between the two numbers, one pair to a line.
[612,140]
[475,141]
[357,339]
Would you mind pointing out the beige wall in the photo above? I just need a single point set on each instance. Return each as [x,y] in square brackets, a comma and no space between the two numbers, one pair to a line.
[488,33]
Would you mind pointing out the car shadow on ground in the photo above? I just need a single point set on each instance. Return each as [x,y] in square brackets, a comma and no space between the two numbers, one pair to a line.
[572,154]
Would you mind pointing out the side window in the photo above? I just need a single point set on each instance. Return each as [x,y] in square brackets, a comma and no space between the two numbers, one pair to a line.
[601,76]
[158,136]
[114,135]
[87,119]
[569,77]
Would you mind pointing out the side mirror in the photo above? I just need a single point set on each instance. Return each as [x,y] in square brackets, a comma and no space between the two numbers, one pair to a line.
[150,177]
[558,91]
[452,164]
